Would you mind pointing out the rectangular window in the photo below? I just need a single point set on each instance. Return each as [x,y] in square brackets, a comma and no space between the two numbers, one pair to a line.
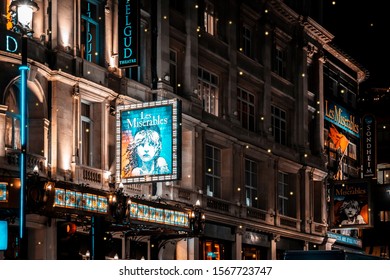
[283,193]
[133,73]
[213,171]
[279,126]
[280,60]
[246,109]
[177,5]
[208,91]
[90,31]
[251,183]
[86,134]
[210,20]
[330,85]
[246,41]
[317,201]
[173,70]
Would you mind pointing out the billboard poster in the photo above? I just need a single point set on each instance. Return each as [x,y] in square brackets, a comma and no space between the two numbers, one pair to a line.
[128,33]
[341,118]
[148,142]
[351,206]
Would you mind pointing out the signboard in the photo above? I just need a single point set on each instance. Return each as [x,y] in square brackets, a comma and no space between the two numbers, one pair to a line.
[148,213]
[80,200]
[340,117]
[369,146]
[3,192]
[342,239]
[351,206]
[3,235]
[148,142]
[128,33]
[10,42]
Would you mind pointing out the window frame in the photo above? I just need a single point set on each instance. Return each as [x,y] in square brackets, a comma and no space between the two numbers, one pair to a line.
[86,159]
[279,65]
[210,19]
[249,122]
[246,41]
[279,133]
[213,172]
[210,103]
[251,183]
[283,198]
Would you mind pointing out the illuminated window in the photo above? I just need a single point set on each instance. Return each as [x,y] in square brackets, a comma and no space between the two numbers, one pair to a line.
[12,120]
[212,251]
[210,20]
[86,134]
[213,170]
[12,128]
[208,91]
[246,109]
[251,183]
[384,216]
[90,30]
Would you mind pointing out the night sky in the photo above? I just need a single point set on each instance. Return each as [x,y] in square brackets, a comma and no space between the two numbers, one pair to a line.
[362,30]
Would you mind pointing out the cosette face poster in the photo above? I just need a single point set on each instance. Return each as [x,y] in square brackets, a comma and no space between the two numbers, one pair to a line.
[148,142]
[351,204]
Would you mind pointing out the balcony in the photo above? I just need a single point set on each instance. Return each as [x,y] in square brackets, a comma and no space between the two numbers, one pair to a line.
[11,162]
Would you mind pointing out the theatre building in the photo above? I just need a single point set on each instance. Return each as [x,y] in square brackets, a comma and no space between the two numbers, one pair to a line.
[230,109]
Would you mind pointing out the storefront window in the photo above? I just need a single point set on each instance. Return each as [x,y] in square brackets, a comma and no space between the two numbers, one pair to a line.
[216,250]
[250,252]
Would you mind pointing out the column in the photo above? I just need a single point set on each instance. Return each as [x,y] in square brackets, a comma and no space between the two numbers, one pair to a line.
[193,248]
[237,252]
[272,251]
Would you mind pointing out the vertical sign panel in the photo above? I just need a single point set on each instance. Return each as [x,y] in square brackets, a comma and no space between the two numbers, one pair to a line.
[369,146]
[128,36]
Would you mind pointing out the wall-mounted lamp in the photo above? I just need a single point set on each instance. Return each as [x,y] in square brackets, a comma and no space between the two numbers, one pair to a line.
[197,221]
[167,78]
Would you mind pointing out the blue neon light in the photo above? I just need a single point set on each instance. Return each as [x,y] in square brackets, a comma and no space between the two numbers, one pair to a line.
[23,139]
[3,235]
